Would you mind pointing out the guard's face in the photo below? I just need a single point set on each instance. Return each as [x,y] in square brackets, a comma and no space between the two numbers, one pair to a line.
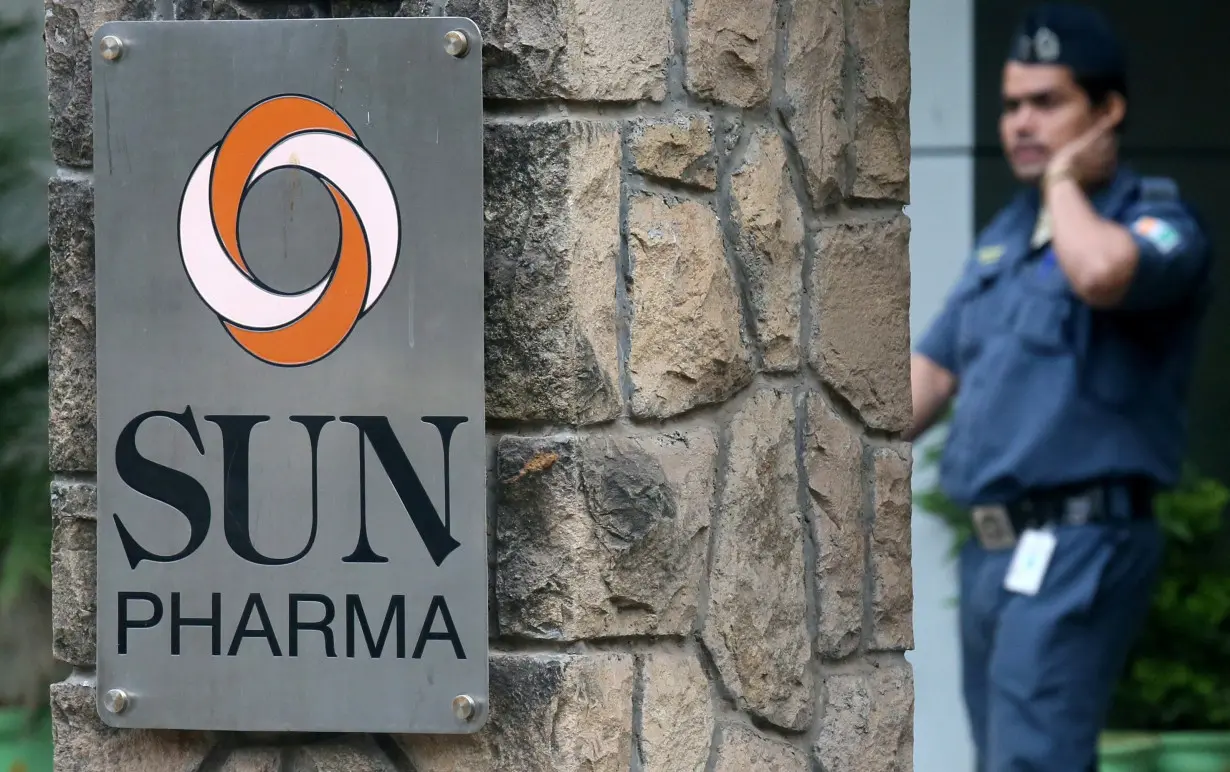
[1043,109]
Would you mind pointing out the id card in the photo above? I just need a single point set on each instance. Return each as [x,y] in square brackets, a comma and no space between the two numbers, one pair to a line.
[1030,561]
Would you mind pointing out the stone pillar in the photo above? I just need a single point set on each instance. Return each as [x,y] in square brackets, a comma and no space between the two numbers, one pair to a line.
[697,358]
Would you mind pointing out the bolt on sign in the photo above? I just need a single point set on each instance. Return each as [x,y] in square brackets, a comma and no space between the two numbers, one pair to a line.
[291,454]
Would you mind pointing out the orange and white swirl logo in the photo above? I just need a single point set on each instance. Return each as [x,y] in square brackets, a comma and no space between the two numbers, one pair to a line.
[298,132]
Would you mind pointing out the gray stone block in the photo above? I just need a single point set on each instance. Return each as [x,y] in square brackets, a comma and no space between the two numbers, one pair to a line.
[552,242]
[72,430]
[608,540]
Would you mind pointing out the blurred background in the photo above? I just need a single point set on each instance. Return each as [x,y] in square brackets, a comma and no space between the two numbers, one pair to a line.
[26,666]
[1180,678]
[25,523]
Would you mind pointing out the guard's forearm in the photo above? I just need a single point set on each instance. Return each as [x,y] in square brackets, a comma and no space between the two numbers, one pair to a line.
[1098,256]
[931,387]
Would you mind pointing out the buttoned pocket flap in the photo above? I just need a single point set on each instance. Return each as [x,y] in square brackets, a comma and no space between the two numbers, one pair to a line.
[1042,320]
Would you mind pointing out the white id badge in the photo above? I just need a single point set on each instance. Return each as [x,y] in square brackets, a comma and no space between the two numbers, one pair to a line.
[1030,561]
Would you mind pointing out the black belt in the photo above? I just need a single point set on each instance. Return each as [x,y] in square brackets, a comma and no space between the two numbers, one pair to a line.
[998,525]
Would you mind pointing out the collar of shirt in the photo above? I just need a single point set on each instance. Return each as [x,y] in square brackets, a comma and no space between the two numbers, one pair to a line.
[1042,230]
[1108,201]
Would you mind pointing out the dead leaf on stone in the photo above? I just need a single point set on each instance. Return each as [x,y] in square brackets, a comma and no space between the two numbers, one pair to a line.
[537,464]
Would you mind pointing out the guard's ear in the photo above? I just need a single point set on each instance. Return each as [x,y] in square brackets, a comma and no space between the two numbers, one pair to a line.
[1114,109]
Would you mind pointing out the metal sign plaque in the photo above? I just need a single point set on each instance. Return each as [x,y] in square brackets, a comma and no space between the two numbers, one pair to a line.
[291,453]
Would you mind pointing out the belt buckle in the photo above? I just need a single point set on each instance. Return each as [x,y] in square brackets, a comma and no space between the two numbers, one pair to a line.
[1081,510]
[993,527]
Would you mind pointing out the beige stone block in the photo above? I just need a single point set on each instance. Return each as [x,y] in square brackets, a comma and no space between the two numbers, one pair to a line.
[84,744]
[676,713]
[603,536]
[74,589]
[880,33]
[583,50]
[815,92]
[552,243]
[72,431]
[833,456]
[69,28]
[861,317]
[730,50]
[770,247]
[833,126]
[687,344]
[253,760]
[892,598]
[756,625]
[743,749]
[564,713]
[677,147]
[868,722]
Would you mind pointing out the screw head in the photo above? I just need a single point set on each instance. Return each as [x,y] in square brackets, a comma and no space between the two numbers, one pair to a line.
[111,47]
[116,701]
[456,43]
[464,707]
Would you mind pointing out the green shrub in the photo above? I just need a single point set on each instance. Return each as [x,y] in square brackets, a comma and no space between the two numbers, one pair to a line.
[1179,675]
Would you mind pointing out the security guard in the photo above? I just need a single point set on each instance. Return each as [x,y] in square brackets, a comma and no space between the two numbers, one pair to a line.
[1068,344]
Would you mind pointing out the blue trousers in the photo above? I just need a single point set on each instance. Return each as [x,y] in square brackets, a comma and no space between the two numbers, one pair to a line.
[1039,671]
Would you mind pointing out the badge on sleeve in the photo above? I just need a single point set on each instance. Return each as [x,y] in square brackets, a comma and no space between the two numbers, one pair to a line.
[1159,233]
[1030,561]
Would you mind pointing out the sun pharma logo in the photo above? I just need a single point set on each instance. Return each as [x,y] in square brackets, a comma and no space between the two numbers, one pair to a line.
[297,132]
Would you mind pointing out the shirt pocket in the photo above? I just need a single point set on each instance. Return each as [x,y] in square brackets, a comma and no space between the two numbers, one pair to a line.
[1042,315]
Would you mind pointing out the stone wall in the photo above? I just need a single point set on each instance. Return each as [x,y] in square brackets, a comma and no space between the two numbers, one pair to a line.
[697,332]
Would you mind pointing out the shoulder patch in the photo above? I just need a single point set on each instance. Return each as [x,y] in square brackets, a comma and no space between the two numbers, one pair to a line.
[1159,233]
[1158,189]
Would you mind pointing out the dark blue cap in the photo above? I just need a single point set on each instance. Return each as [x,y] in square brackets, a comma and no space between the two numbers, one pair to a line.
[1069,34]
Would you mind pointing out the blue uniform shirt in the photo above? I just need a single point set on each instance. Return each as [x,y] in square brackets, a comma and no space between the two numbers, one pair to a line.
[1052,391]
